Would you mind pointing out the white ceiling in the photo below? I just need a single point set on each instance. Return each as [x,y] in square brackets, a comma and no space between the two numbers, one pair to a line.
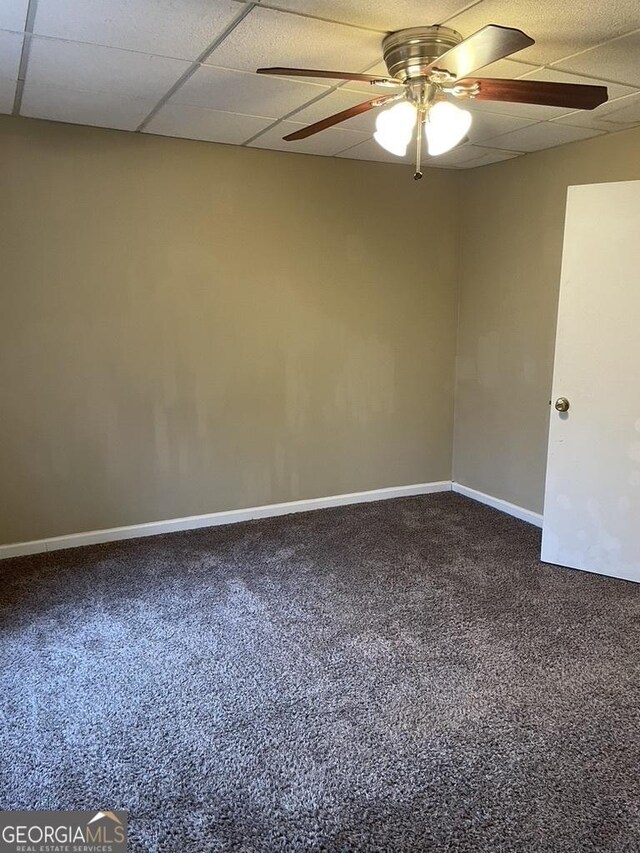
[186,68]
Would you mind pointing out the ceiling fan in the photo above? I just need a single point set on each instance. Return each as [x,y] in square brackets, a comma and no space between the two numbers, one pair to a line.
[429,65]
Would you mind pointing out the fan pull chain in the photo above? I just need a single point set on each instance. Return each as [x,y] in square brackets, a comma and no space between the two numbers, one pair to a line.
[418,172]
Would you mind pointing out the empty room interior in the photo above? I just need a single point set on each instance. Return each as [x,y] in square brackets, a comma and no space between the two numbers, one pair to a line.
[319,426]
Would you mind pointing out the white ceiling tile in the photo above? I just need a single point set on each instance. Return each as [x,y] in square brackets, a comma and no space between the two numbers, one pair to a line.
[459,156]
[507,68]
[485,157]
[486,125]
[620,114]
[245,92]
[554,75]
[211,125]
[328,142]
[559,29]
[165,27]
[466,156]
[98,109]
[10,50]
[378,14]
[268,38]
[617,60]
[543,135]
[13,14]
[91,68]
[370,150]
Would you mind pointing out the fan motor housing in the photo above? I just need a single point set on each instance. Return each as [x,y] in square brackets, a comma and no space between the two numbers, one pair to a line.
[408,52]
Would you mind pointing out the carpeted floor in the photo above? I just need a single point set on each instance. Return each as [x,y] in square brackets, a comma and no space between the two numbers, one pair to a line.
[398,676]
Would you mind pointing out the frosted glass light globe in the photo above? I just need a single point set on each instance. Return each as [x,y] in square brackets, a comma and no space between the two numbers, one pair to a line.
[445,126]
[394,128]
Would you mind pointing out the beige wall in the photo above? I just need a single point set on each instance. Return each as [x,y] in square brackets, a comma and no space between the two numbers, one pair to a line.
[189,327]
[511,239]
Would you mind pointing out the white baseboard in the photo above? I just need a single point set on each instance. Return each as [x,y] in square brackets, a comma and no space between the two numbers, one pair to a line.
[212,519]
[497,503]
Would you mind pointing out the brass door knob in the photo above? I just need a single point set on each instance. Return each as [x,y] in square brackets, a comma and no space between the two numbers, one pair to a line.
[562,404]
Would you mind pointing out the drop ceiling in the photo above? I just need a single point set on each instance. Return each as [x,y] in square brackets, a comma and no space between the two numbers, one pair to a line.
[185,68]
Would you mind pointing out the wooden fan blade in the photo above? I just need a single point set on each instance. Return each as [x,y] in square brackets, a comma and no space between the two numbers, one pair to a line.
[337,118]
[329,75]
[573,95]
[487,45]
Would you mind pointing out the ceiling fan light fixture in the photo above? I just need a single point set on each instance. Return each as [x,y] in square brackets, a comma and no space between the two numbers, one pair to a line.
[429,63]
[394,128]
[445,126]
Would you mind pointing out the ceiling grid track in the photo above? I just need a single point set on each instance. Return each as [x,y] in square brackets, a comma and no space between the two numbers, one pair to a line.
[24,56]
[206,53]
[451,19]
[593,47]
[273,7]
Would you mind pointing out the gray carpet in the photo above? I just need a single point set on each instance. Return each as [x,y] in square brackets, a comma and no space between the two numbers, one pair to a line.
[398,676]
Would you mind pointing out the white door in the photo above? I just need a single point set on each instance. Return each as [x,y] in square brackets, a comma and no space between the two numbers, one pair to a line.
[592,496]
